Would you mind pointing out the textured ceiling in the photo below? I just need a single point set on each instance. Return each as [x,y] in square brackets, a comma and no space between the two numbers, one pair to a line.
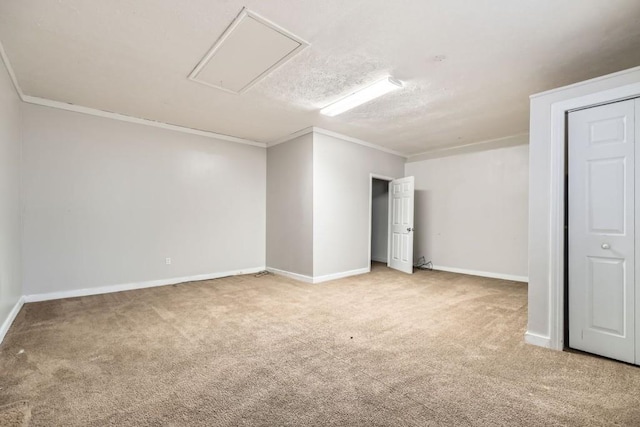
[468,67]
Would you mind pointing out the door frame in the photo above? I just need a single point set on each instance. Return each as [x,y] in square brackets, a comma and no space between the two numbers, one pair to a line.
[373,176]
[557,246]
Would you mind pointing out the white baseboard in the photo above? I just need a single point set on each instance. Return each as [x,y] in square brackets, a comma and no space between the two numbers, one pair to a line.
[483,273]
[296,276]
[138,285]
[539,340]
[379,259]
[334,276]
[317,279]
[10,318]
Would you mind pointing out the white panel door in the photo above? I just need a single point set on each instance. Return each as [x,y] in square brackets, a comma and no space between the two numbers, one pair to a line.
[401,224]
[601,230]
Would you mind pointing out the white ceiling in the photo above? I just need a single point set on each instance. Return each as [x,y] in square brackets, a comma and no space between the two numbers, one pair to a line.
[133,57]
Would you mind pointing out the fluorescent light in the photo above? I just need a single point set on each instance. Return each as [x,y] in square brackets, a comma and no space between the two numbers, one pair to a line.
[362,96]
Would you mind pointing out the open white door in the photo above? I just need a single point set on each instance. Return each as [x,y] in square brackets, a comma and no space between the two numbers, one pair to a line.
[401,224]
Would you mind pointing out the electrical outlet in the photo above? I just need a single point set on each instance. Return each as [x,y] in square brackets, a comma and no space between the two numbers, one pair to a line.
[167,261]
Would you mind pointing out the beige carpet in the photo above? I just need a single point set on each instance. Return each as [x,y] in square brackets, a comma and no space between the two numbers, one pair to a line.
[383,349]
[15,414]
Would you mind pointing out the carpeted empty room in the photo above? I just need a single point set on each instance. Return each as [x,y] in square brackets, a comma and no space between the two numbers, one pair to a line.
[385,348]
[319,213]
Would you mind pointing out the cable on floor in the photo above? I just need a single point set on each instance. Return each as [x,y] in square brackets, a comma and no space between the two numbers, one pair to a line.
[423,264]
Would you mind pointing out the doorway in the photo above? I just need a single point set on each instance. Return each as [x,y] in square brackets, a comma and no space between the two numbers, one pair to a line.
[392,227]
[379,220]
[602,249]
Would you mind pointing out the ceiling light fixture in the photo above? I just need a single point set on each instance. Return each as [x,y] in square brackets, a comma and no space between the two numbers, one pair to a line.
[377,89]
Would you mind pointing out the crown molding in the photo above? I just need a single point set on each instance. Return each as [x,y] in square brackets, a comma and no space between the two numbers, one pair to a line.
[289,137]
[358,141]
[122,117]
[491,144]
[12,75]
[326,132]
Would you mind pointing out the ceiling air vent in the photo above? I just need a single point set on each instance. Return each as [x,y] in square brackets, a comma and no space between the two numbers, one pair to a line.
[249,49]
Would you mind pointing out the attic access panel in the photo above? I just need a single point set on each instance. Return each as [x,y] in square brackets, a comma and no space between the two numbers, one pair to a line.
[249,49]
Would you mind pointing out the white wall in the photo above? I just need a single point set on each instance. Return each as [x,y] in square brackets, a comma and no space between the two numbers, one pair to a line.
[290,206]
[106,201]
[471,211]
[10,221]
[545,280]
[341,176]
[379,220]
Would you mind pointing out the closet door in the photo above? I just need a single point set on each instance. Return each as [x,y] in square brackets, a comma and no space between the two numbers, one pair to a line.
[602,231]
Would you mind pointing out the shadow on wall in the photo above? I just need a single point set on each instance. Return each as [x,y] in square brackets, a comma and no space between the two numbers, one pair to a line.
[421,223]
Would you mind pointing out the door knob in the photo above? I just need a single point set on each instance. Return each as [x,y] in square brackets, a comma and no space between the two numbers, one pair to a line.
[409,229]
[605,246]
